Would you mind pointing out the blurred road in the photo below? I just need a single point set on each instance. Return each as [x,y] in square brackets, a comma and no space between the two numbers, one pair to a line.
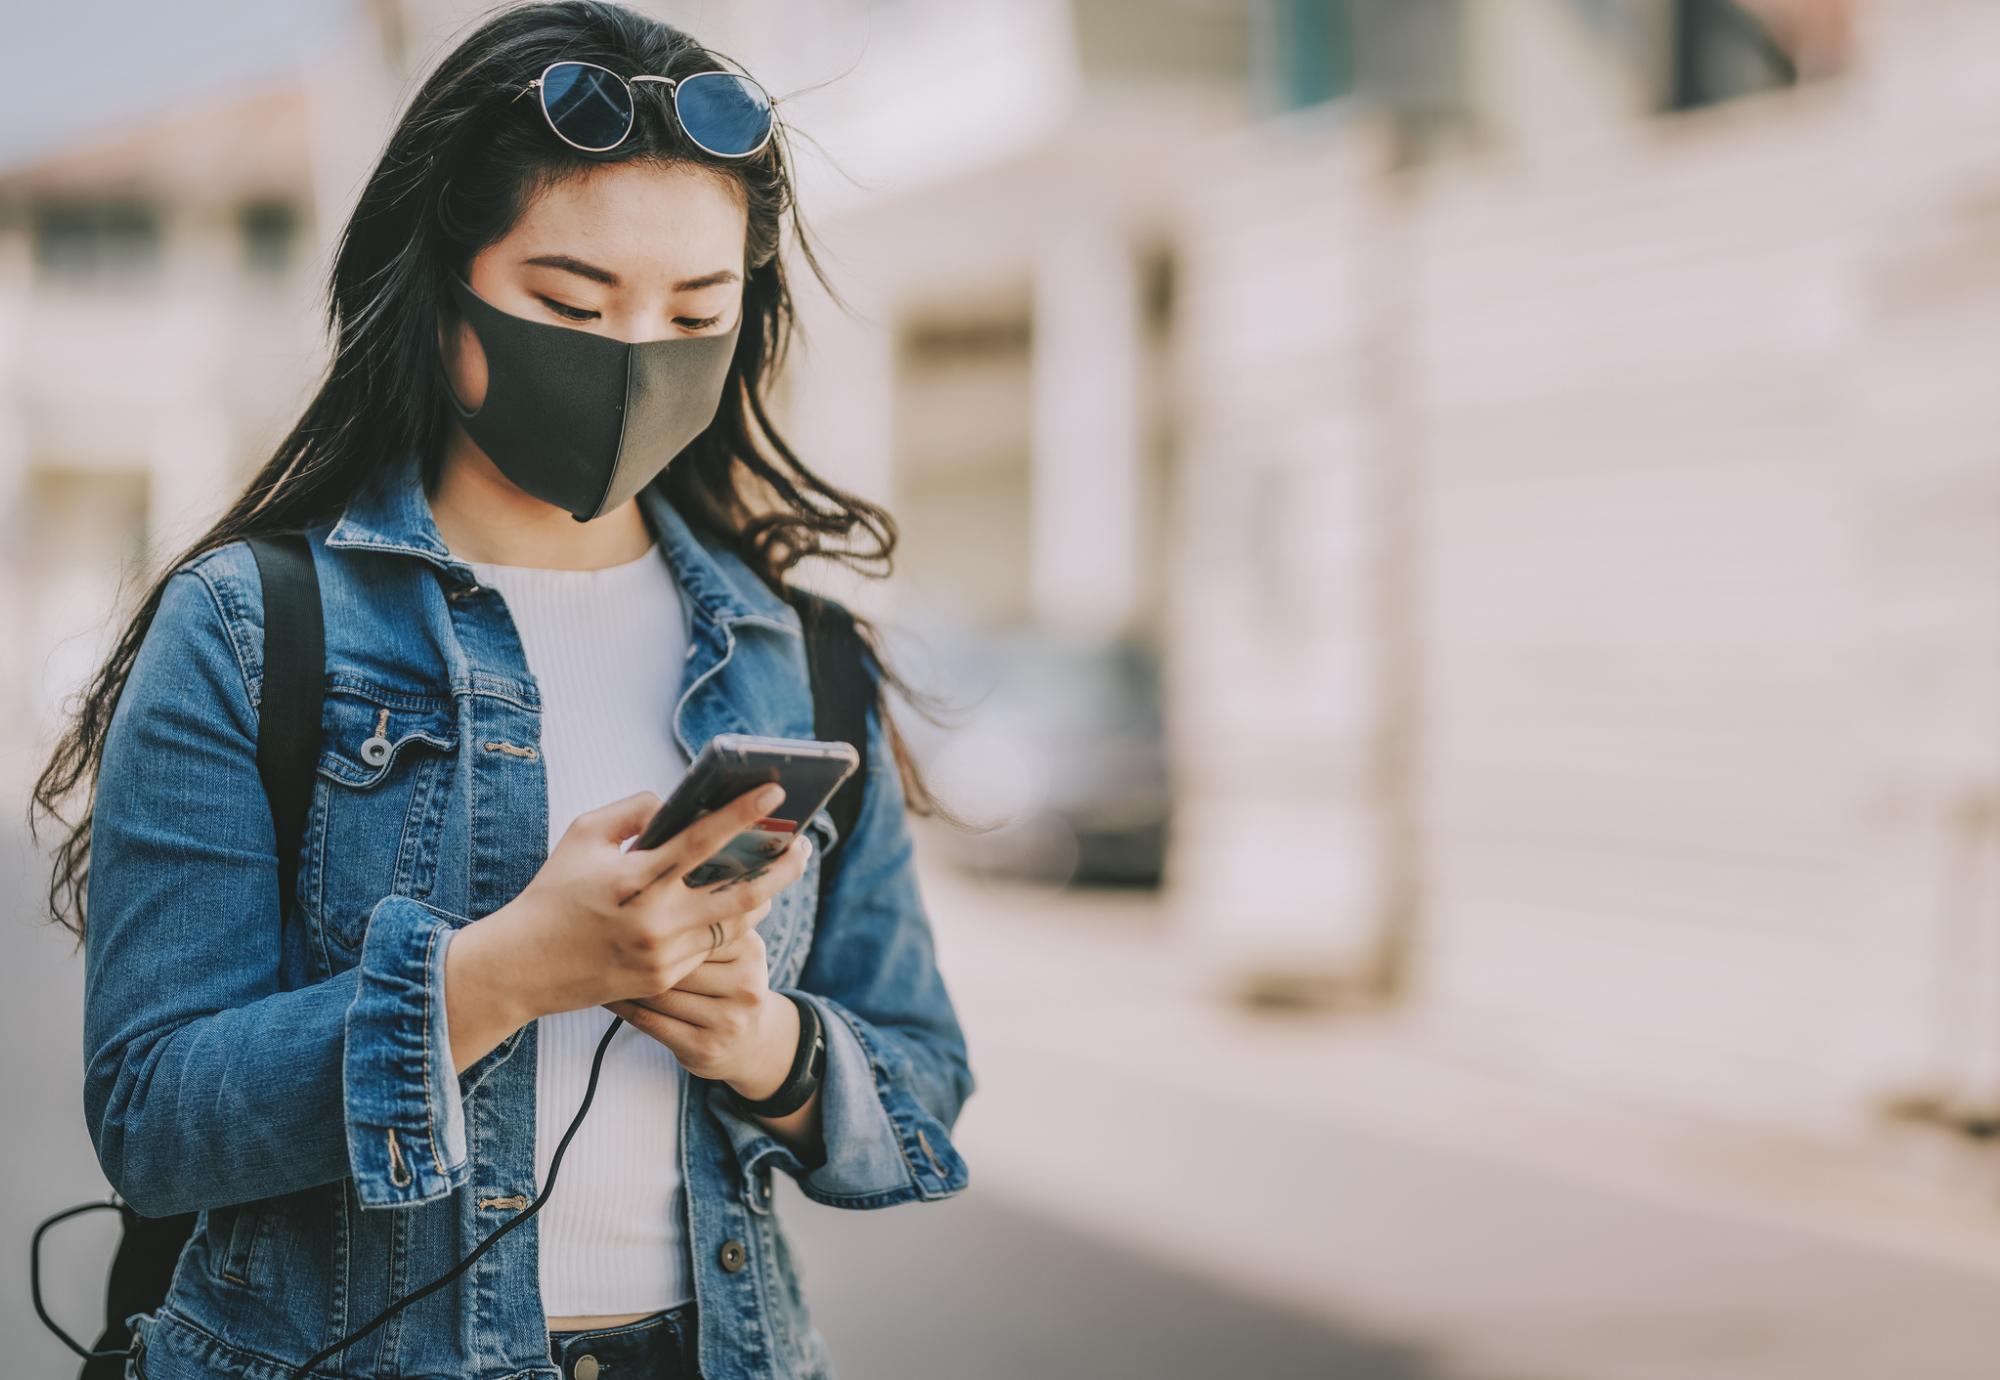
[1433,1267]
[1158,1219]
[976,1288]
[1460,1222]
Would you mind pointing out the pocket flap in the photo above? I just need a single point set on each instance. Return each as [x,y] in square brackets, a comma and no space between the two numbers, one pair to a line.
[364,731]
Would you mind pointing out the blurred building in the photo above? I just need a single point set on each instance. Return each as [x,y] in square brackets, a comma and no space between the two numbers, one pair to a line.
[1542,441]
[1590,551]
[156,326]
[1545,443]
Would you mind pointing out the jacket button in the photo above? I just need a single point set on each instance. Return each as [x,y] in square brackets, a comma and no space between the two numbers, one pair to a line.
[731,1256]
[586,1367]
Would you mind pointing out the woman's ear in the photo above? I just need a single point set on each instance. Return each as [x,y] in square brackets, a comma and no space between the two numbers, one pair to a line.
[464,361]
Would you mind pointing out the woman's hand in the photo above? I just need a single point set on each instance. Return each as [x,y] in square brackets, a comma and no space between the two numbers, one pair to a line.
[599,924]
[724,1022]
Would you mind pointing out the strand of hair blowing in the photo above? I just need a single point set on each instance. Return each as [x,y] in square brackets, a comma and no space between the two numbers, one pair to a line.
[462,163]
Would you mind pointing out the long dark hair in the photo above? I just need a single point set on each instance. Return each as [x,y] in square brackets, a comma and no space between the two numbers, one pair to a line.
[461,166]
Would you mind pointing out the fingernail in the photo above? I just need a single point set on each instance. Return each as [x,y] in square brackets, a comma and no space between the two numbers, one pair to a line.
[770,796]
[806,846]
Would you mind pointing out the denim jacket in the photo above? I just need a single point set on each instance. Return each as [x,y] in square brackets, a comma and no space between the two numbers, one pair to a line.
[290,1077]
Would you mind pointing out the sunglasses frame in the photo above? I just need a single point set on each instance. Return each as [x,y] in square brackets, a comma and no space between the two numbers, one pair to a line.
[673,85]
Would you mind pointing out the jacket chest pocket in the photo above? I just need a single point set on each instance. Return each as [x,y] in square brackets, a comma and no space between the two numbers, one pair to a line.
[379,801]
[788,930]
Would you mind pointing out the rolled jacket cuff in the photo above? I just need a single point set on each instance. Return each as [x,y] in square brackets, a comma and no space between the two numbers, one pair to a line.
[871,1158]
[404,1111]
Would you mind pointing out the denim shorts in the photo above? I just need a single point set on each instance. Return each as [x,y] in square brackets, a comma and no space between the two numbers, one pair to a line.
[660,1347]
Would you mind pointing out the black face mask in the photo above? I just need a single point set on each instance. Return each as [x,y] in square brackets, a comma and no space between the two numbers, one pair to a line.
[580,420]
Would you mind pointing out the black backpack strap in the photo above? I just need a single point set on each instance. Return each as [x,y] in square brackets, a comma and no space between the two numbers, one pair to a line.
[843,685]
[140,1273]
[287,754]
[294,683]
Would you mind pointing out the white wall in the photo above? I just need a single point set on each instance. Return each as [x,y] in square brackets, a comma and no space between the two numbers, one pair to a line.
[1702,603]
[1277,657]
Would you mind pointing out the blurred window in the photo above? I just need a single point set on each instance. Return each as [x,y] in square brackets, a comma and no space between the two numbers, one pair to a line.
[1153,40]
[964,402]
[1722,50]
[97,240]
[270,232]
[1403,57]
[1311,51]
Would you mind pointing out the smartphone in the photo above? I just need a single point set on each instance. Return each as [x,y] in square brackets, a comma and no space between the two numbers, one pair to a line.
[730,764]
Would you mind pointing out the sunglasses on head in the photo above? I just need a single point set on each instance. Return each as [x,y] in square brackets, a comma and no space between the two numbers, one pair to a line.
[592,108]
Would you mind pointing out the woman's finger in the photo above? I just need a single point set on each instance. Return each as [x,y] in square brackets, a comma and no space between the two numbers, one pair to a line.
[742,946]
[620,820]
[668,1030]
[719,977]
[704,838]
[700,841]
[710,979]
[703,980]
[701,1010]
[716,925]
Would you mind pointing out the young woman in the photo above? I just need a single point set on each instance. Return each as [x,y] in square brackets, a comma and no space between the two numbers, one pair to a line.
[551,521]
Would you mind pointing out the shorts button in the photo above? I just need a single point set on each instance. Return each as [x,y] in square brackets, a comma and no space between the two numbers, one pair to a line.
[731,1256]
[586,1367]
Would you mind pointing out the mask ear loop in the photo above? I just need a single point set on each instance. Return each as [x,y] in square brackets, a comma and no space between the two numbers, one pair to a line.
[444,374]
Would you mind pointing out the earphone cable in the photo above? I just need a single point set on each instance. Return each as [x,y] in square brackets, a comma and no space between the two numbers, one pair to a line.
[555,1164]
[111,1204]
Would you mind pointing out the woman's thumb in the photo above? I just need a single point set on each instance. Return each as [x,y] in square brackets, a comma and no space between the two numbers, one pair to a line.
[621,819]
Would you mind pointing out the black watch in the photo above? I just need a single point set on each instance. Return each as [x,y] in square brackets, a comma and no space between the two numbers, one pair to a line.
[808,1063]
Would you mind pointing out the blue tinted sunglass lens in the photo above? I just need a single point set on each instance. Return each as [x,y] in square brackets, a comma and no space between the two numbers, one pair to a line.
[724,113]
[587,105]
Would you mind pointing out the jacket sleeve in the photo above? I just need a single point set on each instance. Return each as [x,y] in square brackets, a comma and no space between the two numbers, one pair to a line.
[206,1085]
[896,1072]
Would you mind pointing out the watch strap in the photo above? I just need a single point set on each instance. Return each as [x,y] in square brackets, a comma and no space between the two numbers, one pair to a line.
[808,1062]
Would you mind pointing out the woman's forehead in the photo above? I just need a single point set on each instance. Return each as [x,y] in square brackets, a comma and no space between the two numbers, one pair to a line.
[638,219]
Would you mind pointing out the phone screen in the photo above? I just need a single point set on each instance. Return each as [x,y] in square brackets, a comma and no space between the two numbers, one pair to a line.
[746,853]
[730,764]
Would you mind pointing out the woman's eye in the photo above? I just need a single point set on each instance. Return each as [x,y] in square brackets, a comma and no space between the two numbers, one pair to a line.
[568,313]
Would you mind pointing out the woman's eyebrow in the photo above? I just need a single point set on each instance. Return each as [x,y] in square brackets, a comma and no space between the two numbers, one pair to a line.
[721,275]
[574,265]
[570,264]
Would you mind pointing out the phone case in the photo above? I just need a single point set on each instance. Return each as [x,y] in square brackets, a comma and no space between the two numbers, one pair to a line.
[730,764]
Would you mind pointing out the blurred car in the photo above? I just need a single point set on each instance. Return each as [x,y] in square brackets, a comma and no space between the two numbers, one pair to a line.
[1055,740]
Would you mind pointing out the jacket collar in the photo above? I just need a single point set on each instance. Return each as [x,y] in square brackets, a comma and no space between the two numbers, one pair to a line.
[393,514]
